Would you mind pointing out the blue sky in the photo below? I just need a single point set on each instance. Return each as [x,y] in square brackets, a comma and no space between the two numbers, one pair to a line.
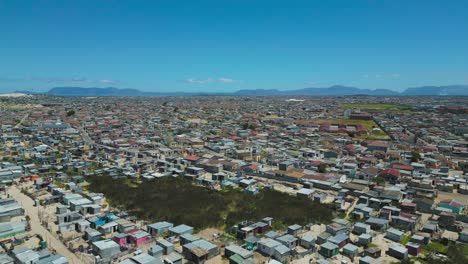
[230,45]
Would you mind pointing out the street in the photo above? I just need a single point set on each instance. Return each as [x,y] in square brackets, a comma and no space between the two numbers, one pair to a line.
[37,228]
[22,120]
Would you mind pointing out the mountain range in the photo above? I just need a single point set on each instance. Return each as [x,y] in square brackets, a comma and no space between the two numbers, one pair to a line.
[336,90]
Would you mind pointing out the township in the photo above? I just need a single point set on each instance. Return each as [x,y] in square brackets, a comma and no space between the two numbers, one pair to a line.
[394,171]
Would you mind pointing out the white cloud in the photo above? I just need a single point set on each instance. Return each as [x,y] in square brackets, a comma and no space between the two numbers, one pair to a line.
[107,81]
[59,80]
[53,80]
[226,80]
[199,81]
[209,80]
[382,75]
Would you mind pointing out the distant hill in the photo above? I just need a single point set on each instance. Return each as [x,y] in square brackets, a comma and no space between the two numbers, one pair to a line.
[109,91]
[264,92]
[437,90]
[336,90]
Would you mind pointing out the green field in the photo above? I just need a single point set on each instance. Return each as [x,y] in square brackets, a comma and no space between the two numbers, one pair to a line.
[369,124]
[388,107]
[383,107]
[180,201]
[375,106]
[456,253]
[434,247]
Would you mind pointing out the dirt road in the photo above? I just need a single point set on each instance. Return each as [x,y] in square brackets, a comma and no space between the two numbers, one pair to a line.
[22,120]
[37,228]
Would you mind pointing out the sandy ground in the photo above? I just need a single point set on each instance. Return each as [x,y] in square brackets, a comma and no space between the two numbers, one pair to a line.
[15,95]
[457,196]
[209,234]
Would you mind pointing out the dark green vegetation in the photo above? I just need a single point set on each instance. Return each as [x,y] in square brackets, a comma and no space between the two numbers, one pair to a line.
[71,112]
[415,156]
[178,200]
[451,254]
[322,168]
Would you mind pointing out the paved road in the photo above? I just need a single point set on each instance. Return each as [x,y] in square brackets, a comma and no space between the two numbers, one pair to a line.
[85,136]
[37,228]
[89,140]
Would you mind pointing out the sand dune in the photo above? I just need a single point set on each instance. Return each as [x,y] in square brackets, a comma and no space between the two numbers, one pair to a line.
[14,95]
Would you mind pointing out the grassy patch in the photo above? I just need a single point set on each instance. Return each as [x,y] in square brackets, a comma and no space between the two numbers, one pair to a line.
[434,247]
[180,201]
[406,239]
[369,124]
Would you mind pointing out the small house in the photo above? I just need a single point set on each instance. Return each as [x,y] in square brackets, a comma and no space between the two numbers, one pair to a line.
[156,251]
[377,224]
[106,249]
[25,255]
[455,206]
[266,246]
[199,251]
[307,241]
[288,240]
[394,235]
[368,260]
[180,230]
[397,251]
[173,258]
[121,239]
[166,245]
[138,237]
[92,235]
[361,228]
[373,252]
[142,258]
[413,248]
[159,228]
[328,250]
[417,239]
[187,238]
[282,253]
[272,234]
[237,259]
[294,229]
[350,250]
[305,193]
[340,240]
[236,250]
[364,239]
[323,237]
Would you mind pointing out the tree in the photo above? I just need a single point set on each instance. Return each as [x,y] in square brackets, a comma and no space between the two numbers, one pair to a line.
[379,180]
[456,253]
[322,168]
[71,112]
[415,156]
